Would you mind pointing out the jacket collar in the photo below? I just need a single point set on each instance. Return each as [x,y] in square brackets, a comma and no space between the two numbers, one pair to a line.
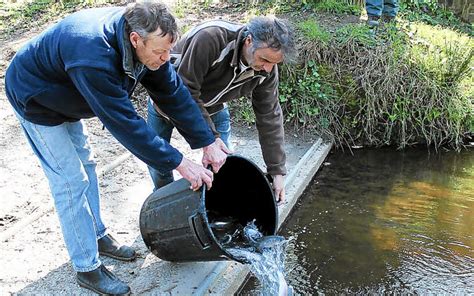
[238,42]
[130,65]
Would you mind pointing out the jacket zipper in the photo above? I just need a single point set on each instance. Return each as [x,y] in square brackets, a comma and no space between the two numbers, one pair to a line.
[227,89]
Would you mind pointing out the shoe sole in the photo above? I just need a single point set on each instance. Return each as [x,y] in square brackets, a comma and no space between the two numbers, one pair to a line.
[86,286]
[127,259]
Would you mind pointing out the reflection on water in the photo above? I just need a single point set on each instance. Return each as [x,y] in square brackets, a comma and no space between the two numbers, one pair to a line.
[385,221]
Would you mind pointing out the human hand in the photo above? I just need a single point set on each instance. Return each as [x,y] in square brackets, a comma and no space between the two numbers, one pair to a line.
[215,155]
[279,188]
[195,174]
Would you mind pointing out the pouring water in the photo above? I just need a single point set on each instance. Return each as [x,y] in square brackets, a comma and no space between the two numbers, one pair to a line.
[264,254]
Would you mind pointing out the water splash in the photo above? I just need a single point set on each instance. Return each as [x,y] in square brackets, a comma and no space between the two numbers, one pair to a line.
[265,255]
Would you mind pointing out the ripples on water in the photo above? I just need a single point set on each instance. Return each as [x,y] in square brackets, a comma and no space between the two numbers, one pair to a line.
[385,221]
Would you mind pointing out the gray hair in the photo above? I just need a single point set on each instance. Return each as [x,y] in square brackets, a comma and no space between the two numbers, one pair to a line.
[268,32]
[146,17]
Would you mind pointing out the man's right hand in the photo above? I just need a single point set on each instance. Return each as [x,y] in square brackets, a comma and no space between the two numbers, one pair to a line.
[215,155]
[195,174]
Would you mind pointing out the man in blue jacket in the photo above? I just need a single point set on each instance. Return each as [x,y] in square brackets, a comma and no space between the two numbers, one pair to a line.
[88,65]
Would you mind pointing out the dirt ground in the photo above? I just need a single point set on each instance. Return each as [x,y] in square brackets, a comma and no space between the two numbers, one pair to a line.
[33,252]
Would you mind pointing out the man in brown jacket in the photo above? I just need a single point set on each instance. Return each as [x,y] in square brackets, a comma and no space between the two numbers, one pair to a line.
[220,61]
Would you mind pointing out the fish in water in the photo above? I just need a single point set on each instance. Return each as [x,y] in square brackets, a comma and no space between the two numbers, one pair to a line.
[267,242]
[225,229]
[251,233]
[265,255]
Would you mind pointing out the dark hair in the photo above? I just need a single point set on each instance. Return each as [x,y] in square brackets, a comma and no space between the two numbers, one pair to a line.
[146,17]
[269,32]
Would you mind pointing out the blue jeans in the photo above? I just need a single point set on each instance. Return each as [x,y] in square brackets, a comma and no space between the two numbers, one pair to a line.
[67,161]
[164,129]
[379,7]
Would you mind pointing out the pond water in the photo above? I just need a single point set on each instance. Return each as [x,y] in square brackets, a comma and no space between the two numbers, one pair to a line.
[384,221]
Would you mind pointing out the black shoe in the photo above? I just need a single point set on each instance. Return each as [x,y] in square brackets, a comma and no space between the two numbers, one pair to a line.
[373,21]
[109,247]
[102,281]
[388,19]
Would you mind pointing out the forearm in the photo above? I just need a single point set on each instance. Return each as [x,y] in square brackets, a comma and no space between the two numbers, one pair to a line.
[271,136]
[273,150]
[174,99]
[112,105]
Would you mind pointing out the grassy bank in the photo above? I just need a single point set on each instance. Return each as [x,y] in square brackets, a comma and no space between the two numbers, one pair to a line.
[409,84]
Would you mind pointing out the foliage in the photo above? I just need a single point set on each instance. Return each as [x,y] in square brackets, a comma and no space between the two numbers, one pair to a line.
[432,13]
[308,96]
[242,111]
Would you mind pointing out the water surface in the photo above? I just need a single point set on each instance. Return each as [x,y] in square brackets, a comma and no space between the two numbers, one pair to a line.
[385,221]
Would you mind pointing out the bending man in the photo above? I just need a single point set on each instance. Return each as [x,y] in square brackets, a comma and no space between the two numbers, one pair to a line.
[88,65]
[220,61]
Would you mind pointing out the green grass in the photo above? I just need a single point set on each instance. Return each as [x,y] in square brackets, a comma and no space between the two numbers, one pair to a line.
[357,32]
[241,110]
[444,53]
[312,31]
[181,8]
[336,7]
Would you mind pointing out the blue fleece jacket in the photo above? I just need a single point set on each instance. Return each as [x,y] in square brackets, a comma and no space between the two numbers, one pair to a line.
[84,66]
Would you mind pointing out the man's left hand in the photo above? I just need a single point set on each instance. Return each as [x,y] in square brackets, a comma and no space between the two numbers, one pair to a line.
[215,155]
[279,188]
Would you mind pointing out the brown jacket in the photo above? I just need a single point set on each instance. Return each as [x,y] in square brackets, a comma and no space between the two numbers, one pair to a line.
[207,59]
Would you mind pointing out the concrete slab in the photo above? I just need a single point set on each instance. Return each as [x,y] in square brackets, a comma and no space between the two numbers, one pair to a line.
[35,261]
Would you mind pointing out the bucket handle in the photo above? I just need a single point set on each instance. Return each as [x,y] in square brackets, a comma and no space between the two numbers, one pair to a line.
[199,233]
[269,178]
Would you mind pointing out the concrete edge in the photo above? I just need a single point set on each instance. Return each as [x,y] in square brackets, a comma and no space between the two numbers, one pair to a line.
[227,277]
